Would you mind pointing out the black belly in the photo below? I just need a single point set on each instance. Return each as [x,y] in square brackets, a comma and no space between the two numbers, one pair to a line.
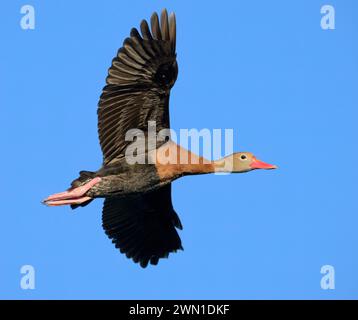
[123,179]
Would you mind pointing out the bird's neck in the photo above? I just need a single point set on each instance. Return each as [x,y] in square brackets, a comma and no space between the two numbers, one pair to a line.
[206,166]
[174,161]
[202,166]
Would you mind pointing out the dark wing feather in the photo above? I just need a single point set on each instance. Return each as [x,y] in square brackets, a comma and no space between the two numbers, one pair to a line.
[138,85]
[143,226]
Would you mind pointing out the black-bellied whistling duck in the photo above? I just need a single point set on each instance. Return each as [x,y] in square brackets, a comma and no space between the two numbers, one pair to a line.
[138,214]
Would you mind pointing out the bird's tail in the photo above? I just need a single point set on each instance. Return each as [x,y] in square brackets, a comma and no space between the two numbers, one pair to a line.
[85,176]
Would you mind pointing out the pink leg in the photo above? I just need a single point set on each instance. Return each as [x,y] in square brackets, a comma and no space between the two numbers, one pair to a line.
[73,196]
[55,203]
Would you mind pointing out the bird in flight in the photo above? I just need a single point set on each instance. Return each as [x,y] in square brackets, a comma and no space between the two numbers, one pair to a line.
[138,214]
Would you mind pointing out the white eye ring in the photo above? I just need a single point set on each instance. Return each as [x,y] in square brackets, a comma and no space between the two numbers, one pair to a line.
[243,157]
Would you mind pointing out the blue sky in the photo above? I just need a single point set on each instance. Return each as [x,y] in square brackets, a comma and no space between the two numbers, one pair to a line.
[265,69]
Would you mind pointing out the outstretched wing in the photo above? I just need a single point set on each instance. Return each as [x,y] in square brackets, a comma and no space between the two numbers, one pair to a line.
[143,227]
[138,85]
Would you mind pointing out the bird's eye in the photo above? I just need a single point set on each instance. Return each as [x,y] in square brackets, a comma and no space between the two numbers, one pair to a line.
[243,157]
